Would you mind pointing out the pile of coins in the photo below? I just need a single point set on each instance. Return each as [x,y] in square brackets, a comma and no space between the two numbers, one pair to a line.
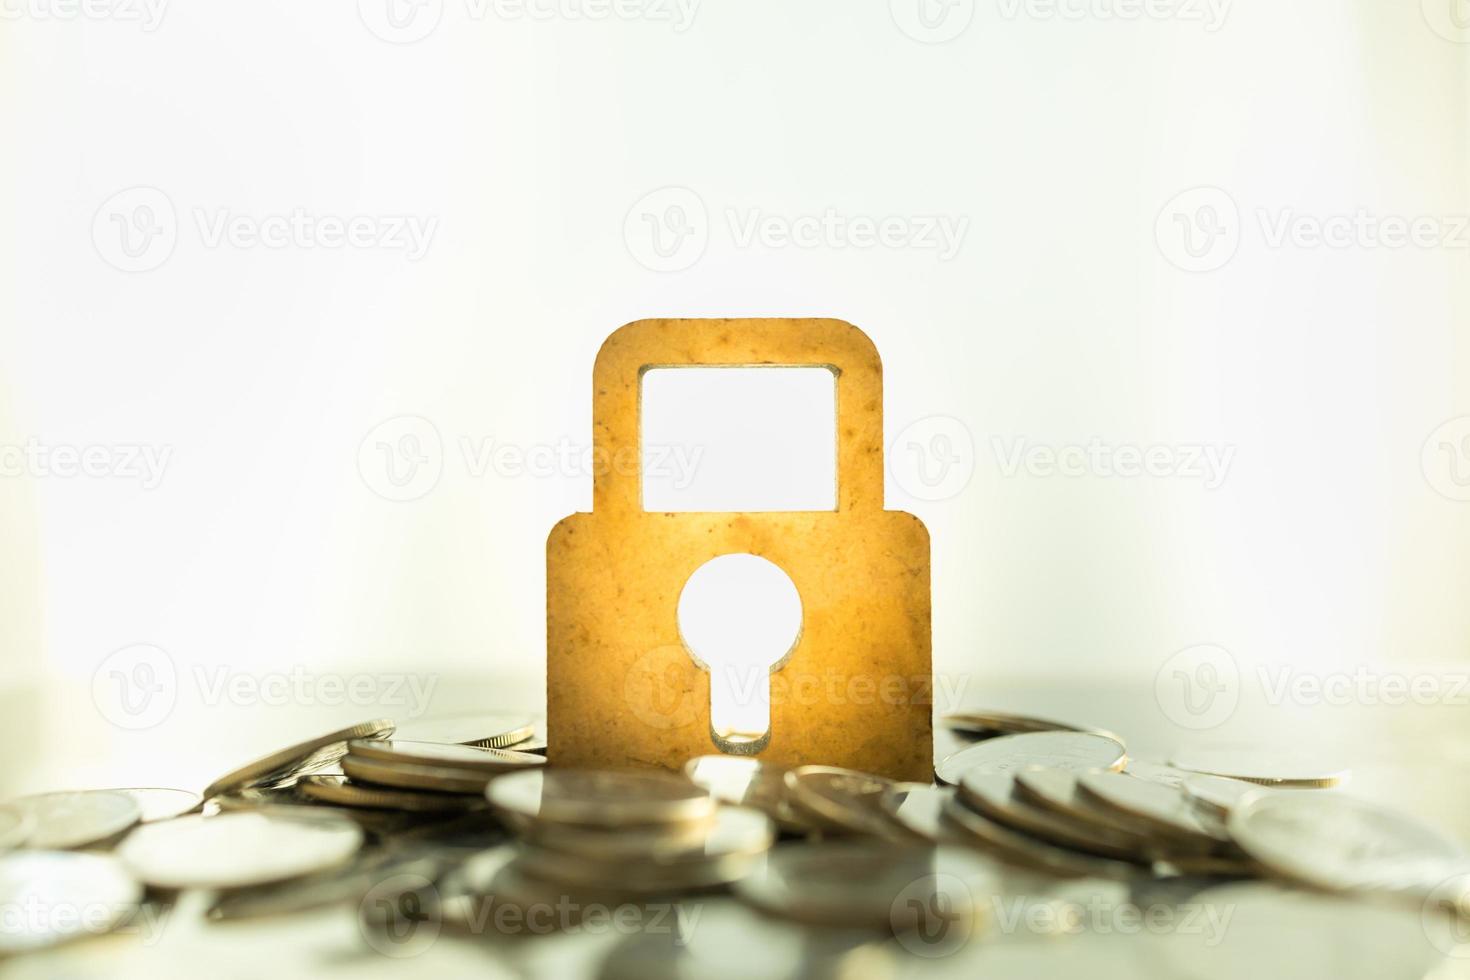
[466,809]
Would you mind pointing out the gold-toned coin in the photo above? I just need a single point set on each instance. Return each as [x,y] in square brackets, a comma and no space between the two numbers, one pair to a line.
[920,811]
[1030,852]
[304,756]
[842,800]
[447,755]
[1218,794]
[61,821]
[993,795]
[1163,809]
[489,730]
[406,775]
[233,850]
[1269,765]
[339,791]
[993,724]
[601,799]
[1336,842]
[1077,751]
[52,896]
[852,883]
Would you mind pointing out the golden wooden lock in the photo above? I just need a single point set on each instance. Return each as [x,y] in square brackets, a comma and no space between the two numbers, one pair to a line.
[624,690]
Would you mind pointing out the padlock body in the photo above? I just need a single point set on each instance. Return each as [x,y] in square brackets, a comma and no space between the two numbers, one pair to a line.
[623,690]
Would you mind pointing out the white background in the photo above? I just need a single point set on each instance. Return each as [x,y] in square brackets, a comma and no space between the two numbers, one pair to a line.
[541,148]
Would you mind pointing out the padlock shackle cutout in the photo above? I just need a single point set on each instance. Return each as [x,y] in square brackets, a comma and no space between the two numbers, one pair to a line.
[646,345]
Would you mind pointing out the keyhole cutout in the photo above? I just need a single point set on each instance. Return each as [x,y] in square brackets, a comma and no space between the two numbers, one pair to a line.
[740,618]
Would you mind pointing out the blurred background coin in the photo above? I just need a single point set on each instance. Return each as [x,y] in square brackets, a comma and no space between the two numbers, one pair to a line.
[1269,765]
[1340,843]
[157,803]
[491,730]
[1053,750]
[232,850]
[60,821]
[48,897]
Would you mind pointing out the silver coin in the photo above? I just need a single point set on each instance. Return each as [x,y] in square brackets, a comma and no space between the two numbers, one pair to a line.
[1219,794]
[1024,851]
[65,820]
[726,853]
[604,799]
[1057,791]
[1052,750]
[404,775]
[305,756]
[1340,843]
[337,790]
[242,848]
[16,825]
[1269,765]
[53,896]
[992,795]
[842,800]
[1262,930]
[1157,773]
[991,724]
[920,811]
[489,730]
[1163,808]
[156,803]
[447,755]
[852,883]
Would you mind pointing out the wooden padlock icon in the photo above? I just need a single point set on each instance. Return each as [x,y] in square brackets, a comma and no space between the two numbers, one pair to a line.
[623,687]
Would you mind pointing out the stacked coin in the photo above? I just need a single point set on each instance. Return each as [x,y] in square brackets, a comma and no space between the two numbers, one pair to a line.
[626,833]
